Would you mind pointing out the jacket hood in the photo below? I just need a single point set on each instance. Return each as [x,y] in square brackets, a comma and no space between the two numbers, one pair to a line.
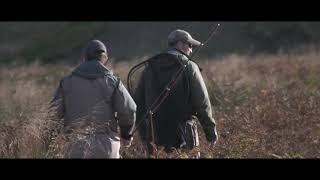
[176,52]
[92,70]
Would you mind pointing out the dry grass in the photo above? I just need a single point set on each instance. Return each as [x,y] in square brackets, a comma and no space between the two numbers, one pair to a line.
[264,106]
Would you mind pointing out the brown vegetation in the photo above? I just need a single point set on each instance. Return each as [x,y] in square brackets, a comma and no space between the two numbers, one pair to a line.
[264,106]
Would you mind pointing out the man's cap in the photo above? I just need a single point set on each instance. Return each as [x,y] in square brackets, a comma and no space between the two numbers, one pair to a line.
[181,35]
[94,48]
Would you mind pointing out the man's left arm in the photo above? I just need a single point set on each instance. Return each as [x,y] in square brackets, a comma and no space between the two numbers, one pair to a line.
[201,102]
[126,110]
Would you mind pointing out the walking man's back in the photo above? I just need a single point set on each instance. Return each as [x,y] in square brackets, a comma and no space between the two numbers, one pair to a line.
[87,100]
[173,125]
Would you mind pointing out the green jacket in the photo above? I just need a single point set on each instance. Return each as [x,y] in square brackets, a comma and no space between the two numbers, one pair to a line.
[188,98]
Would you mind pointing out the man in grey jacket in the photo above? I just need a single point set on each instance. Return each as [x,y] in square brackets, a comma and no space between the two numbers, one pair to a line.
[173,125]
[94,104]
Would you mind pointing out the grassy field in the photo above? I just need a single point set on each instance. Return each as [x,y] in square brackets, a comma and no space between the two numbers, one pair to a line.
[266,106]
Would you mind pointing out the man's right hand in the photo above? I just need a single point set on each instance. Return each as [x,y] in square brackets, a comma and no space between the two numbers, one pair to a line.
[214,140]
[212,144]
[126,143]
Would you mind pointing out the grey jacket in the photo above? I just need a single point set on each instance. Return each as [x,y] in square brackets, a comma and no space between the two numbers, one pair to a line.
[88,100]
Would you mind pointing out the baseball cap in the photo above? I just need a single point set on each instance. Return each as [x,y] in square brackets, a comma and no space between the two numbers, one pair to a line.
[181,35]
[94,48]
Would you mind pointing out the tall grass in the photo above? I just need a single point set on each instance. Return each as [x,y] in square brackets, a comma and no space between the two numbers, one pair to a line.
[265,106]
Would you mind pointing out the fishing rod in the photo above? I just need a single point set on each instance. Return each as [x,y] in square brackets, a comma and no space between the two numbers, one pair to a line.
[165,92]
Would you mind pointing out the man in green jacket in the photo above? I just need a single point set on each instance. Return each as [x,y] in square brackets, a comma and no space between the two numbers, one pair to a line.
[173,125]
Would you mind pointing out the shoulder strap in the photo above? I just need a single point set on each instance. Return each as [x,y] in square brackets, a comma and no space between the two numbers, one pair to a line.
[117,86]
